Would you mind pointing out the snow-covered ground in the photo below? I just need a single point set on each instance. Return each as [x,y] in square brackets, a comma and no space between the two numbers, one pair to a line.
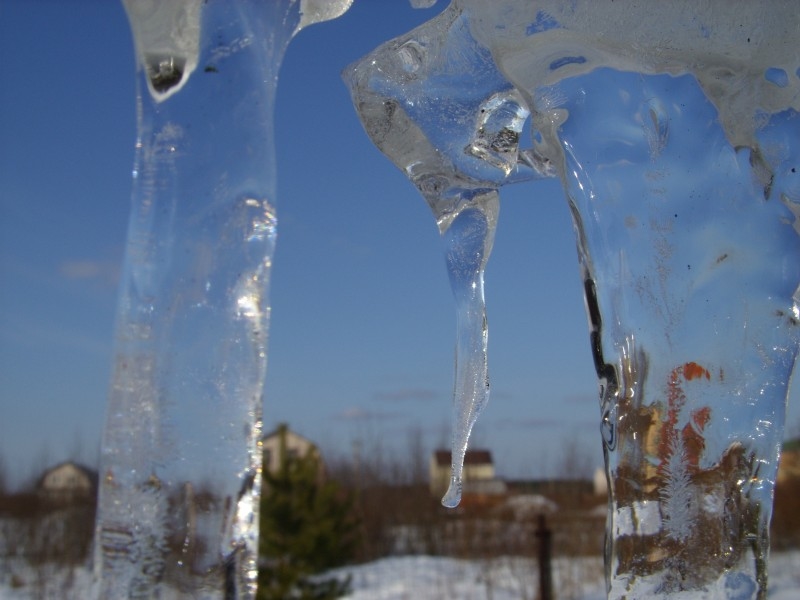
[428,578]
[437,578]
[504,578]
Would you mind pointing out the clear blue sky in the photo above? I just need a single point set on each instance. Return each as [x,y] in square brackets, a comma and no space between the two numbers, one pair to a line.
[363,326]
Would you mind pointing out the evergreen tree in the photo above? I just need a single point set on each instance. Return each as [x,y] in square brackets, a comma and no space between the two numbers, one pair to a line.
[307,526]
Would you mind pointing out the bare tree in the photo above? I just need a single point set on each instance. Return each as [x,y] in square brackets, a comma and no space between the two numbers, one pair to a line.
[574,460]
[39,464]
[3,475]
[417,456]
[76,451]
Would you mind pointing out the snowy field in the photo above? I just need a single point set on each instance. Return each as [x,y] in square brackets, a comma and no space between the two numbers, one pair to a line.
[436,578]
[427,578]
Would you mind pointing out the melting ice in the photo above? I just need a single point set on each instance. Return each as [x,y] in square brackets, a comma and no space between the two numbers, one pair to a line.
[674,129]
[686,229]
[435,103]
[179,487]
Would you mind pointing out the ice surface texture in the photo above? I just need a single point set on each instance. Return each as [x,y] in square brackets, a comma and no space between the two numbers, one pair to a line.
[674,130]
[181,456]
[434,102]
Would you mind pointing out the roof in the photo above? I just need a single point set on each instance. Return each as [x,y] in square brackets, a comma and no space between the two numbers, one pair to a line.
[70,463]
[472,457]
[285,429]
[89,472]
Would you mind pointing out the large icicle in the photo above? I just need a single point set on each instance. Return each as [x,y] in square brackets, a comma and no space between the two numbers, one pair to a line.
[456,136]
[674,129]
[181,456]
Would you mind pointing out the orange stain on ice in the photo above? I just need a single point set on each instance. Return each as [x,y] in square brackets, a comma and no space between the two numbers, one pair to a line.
[692,370]
[691,435]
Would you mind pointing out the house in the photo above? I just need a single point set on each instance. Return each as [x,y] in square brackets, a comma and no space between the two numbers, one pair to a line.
[67,481]
[600,482]
[284,442]
[478,477]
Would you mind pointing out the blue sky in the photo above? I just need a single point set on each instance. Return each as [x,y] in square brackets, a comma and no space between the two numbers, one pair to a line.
[363,325]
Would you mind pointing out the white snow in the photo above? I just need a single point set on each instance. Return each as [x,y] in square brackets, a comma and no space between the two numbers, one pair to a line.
[504,578]
[507,578]
[428,578]
[528,506]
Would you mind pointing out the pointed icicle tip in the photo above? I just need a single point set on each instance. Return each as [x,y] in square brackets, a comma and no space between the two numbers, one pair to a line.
[453,496]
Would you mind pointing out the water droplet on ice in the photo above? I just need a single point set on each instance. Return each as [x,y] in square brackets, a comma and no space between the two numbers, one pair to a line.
[453,496]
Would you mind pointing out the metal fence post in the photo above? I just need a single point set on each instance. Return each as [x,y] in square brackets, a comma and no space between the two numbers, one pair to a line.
[545,563]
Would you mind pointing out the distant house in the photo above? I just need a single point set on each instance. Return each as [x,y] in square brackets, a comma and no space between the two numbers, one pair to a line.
[284,442]
[67,481]
[600,482]
[478,477]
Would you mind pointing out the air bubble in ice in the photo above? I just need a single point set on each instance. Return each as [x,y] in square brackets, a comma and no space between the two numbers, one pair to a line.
[411,55]
[498,129]
[164,72]
[167,40]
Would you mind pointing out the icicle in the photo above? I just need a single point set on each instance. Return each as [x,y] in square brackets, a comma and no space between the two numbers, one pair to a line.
[468,242]
[457,153]
[181,450]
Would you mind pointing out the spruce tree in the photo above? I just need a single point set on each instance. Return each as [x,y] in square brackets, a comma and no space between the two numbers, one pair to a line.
[307,526]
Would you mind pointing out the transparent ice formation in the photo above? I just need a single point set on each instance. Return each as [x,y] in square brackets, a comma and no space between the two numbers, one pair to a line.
[457,146]
[181,456]
[674,130]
